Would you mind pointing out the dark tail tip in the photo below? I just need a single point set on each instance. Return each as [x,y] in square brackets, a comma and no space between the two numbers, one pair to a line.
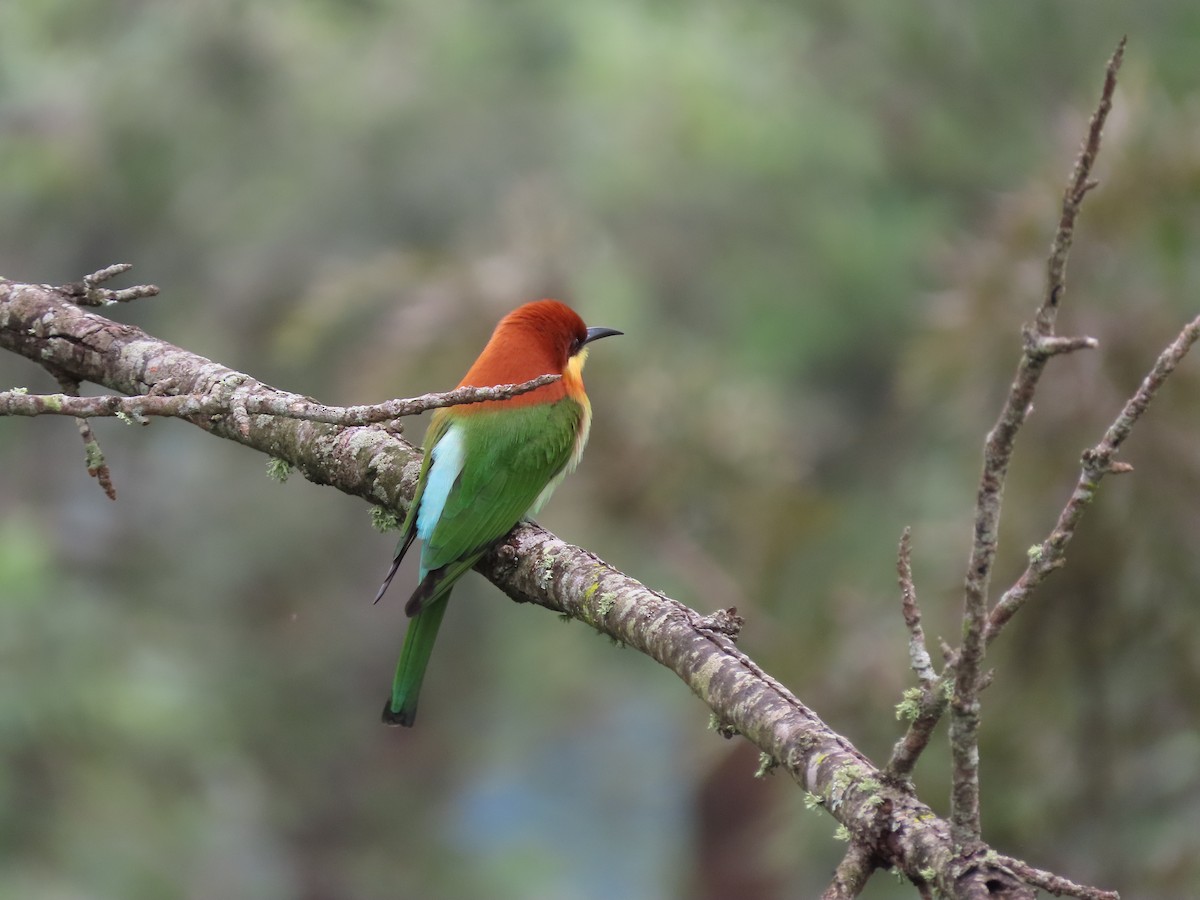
[387,581]
[404,717]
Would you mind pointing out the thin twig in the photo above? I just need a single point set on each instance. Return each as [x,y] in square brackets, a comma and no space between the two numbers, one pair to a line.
[241,404]
[395,409]
[1080,184]
[1051,883]
[925,710]
[92,454]
[918,652]
[923,706]
[1040,345]
[87,291]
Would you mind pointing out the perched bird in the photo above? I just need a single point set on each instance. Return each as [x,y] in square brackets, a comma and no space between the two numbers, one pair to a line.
[488,465]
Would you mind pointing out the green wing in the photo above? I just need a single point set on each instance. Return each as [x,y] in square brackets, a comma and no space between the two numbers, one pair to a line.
[511,455]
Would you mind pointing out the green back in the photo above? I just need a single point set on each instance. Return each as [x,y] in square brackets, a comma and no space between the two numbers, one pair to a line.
[511,455]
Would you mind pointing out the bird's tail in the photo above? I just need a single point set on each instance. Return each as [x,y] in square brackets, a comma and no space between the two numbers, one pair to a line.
[401,707]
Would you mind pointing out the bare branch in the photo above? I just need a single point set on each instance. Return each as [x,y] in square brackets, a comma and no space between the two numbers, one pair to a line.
[1040,344]
[87,291]
[1056,346]
[1077,188]
[106,274]
[1054,884]
[242,404]
[93,455]
[19,403]
[923,706]
[1097,462]
[918,652]
[395,409]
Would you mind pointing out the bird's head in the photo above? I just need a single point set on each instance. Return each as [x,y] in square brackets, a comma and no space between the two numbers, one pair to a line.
[541,337]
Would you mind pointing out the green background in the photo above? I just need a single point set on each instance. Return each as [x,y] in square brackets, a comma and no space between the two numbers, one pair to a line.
[820,225]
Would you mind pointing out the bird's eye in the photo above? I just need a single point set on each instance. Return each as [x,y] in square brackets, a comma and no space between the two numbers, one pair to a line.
[576,343]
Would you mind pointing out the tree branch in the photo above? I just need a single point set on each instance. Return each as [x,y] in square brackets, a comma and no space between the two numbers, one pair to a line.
[1039,345]
[1097,462]
[87,291]
[92,454]
[925,705]
[918,652]
[922,706]
[852,873]
[532,565]
[136,408]
[879,811]
[1054,884]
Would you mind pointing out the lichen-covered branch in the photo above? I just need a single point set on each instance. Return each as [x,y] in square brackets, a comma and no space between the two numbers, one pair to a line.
[922,706]
[92,454]
[532,565]
[44,324]
[918,652]
[1054,884]
[278,403]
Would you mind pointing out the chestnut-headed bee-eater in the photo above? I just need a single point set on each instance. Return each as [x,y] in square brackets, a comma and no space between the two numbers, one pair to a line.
[487,466]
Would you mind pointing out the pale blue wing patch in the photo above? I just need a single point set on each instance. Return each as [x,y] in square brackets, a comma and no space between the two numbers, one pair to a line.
[446,465]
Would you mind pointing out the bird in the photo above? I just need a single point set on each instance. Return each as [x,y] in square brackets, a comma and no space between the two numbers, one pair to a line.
[488,465]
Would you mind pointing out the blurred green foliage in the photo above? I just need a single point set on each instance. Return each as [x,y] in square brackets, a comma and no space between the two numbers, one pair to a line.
[820,227]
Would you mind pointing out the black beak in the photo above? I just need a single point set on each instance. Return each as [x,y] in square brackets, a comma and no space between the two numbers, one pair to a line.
[594,334]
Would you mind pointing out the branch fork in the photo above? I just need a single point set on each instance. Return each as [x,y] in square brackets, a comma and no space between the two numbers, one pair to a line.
[87,291]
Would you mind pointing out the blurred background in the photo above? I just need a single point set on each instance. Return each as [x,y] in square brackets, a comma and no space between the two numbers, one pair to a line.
[820,226]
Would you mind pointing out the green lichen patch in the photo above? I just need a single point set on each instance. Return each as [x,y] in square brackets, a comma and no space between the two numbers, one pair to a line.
[383,520]
[910,706]
[278,469]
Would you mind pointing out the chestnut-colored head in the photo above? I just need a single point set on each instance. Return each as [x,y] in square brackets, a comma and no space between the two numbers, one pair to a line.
[539,338]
